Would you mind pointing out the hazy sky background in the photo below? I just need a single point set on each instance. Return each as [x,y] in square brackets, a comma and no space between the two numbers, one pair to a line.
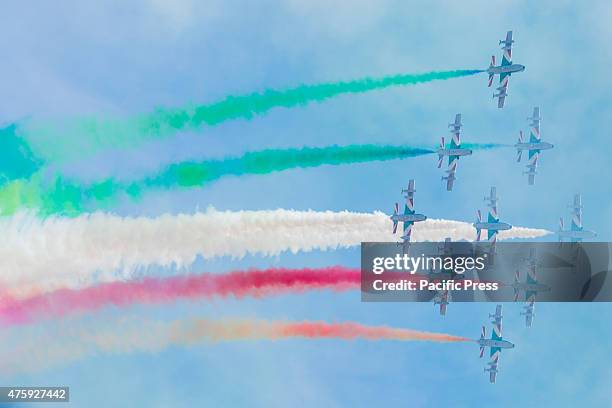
[121,58]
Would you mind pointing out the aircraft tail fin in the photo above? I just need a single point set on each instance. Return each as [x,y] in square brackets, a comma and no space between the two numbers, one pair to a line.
[491,75]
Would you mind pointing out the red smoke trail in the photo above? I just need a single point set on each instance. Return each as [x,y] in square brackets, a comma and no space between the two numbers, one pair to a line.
[77,339]
[256,283]
[350,330]
[193,331]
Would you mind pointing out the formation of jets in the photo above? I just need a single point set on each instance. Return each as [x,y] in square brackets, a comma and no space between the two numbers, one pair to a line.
[533,146]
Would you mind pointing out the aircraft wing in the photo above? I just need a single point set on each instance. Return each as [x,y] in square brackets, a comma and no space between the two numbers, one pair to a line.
[492,198]
[502,89]
[452,169]
[407,230]
[456,132]
[493,365]
[497,323]
[409,194]
[532,166]
[507,48]
[443,309]
[407,207]
[528,320]
[493,217]
[441,299]
[449,182]
[577,213]
[529,313]
[534,136]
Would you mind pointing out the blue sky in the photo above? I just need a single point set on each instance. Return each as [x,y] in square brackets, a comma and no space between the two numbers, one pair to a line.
[128,57]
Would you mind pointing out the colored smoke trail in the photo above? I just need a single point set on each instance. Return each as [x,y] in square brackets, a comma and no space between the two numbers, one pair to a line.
[66,197]
[70,341]
[73,138]
[43,255]
[16,158]
[256,283]
[69,198]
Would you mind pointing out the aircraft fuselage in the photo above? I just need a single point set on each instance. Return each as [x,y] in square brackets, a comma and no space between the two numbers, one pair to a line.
[492,226]
[505,344]
[454,152]
[408,217]
[534,146]
[506,69]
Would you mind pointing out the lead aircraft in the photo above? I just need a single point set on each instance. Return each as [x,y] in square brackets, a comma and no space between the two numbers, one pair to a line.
[505,70]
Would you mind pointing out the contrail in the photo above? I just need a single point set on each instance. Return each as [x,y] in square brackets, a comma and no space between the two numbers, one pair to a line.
[32,349]
[58,252]
[238,284]
[57,195]
[70,139]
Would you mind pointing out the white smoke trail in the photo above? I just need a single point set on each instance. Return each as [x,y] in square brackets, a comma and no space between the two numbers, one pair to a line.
[47,254]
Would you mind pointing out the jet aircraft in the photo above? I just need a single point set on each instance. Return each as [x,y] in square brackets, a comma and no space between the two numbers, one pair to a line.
[505,70]
[534,146]
[576,233]
[531,286]
[496,343]
[454,152]
[529,313]
[492,225]
[408,218]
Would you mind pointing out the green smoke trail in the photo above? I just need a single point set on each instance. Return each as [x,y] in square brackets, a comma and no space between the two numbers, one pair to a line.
[58,195]
[61,196]
[16,158]
[72,138]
